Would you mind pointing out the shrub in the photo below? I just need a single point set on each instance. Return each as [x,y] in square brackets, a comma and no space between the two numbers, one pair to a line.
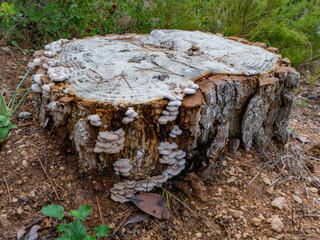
[291,25]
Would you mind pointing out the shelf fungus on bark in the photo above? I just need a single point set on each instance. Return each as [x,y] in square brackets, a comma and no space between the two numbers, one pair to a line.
[146,105]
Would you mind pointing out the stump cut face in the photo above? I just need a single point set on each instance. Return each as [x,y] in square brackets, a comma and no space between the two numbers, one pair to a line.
[133,69]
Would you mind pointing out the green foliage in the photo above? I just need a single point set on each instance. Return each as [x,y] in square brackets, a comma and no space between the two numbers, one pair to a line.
[75,230]
[7,110]
[291,25]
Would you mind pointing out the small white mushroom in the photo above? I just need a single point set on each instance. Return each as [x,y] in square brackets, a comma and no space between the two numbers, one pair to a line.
[172,108]
[162,120]
[37,78]
[182,162]
[175,113]
[36,88]
[108,136]
[98,149]
[169,96]
[176,103]
[165,112]
[46,88]
[189,91]
[103,144]
[122,163]
[127,120]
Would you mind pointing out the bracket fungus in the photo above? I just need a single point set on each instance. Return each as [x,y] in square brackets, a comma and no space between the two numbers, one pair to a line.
[183,93]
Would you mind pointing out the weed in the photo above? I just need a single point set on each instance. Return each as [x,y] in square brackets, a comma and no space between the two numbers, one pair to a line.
[7,110]
[76,229]
[313,76]
[302,104]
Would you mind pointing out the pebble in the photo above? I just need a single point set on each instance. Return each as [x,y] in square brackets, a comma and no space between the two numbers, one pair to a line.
[256,222]
[4,220]
[199,235]
[235,213]
[297,199]
[14,200]
[25,163]
[266,181]
[276,223]
[278,202]
[313,190]
[19,210]
[231,180]
[6,49]
[25,115]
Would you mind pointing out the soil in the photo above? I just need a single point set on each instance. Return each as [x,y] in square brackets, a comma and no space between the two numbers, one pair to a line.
[234,202]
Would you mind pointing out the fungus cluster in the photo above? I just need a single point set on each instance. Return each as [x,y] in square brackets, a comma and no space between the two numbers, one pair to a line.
[94,120]
[52,49]
[130,115]
[175,100]
[122,167]
[120,192]
[110,142]
[50,68]
[174,158]
[175,131]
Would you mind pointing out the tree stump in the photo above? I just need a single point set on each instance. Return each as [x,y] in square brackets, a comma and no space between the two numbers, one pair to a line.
[147,105]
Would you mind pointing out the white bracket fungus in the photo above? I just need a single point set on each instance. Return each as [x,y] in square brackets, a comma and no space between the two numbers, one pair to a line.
[130,115]
[94,120]
[175,131]
[122,167]
[110,142]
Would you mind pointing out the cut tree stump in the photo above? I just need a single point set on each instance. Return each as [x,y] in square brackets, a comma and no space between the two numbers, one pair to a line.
[147,105]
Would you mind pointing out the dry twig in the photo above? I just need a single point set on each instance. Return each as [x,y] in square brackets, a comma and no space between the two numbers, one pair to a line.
[8,189]
[99,209]
[48,178]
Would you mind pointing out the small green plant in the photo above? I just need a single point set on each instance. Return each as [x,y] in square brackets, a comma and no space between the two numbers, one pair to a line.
[7,110]
[302,104]
[75,230]
[314,76]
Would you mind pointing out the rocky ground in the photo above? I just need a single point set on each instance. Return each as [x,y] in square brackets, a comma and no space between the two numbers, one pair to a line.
[250,195]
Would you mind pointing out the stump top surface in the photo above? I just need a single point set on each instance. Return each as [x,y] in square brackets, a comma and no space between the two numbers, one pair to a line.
[132,69]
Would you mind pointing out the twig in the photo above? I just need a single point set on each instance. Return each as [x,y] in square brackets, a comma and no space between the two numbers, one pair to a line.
[99,210]
[126,80]
[121,223]
[48,178]
[8,189]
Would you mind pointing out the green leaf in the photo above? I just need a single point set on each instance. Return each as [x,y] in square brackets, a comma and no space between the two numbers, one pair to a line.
[4,131]
[77,230]
[88,237]
[64,227]
[76,213]
[85,210]
[102,230]
[63,237]
[82,213]
[53,211]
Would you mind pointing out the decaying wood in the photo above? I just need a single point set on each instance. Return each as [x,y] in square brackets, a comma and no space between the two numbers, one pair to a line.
[247,97]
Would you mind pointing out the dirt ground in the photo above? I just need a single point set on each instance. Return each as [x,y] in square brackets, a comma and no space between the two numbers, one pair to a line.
[236,203]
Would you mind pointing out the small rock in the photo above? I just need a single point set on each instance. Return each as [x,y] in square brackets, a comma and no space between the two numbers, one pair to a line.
[276,224]
[199,235]
[235,213]
[19,210]
[4,220]
[297,199]
[6,49]
[231,180]
[25,115]
[313,190]
[256,222]
[14,200]
[266,180]
[25,164]
[278,202]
